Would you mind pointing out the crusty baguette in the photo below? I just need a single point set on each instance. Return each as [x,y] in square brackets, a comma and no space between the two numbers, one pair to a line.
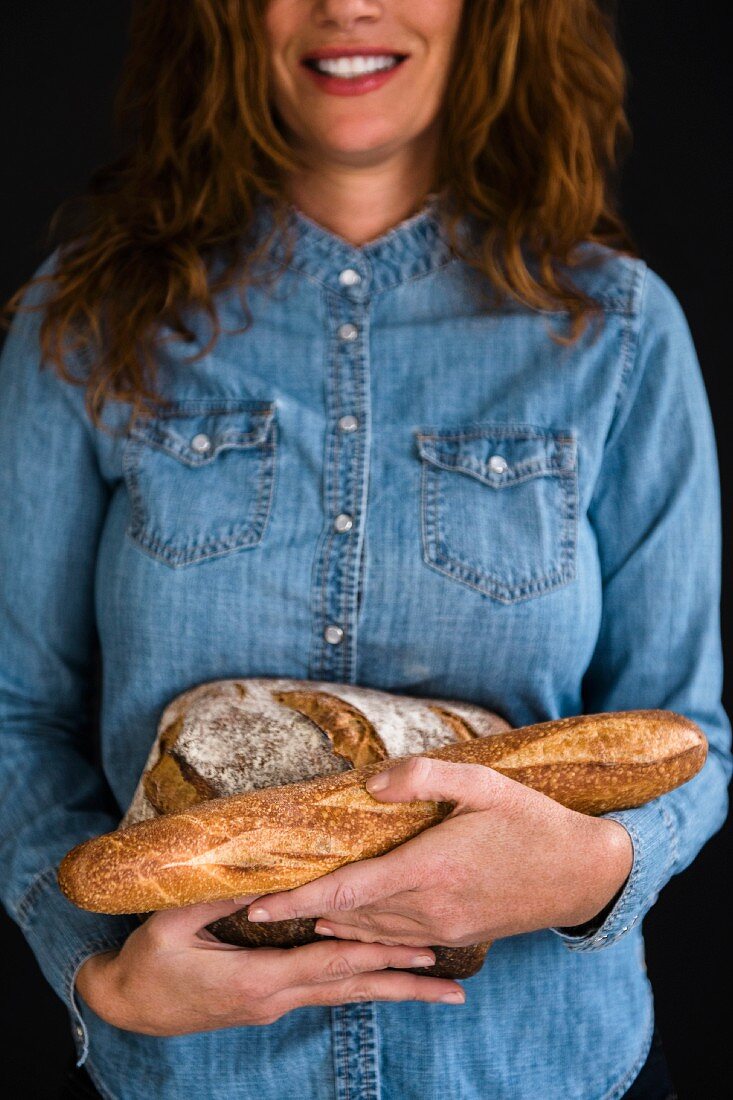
[277,838]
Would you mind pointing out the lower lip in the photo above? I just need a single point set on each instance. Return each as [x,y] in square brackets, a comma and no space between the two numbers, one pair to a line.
[358,85]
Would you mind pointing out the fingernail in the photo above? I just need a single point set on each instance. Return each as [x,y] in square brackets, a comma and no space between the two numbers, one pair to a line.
[324,930]
[378,782]
[454,998]
[422,960]
[258,914]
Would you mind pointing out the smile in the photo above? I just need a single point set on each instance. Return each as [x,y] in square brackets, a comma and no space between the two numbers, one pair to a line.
[353,74]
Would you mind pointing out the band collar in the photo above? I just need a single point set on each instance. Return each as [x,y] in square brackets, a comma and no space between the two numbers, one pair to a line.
[415,246]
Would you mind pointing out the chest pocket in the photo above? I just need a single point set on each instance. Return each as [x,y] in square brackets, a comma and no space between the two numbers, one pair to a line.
[498,507]
[200,478]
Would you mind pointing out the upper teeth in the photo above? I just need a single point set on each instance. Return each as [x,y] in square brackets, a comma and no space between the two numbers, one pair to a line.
[354,66]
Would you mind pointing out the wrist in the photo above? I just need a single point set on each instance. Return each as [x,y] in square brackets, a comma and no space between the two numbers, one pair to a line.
[96,984]
[609,856]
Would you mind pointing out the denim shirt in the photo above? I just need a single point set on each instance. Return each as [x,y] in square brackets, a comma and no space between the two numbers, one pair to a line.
[535,528]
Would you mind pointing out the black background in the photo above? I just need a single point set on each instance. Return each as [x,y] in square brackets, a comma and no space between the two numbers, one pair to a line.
[58,67]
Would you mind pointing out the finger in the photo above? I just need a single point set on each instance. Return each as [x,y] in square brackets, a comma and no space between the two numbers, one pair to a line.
[335,961]
[383,986]
[188,922]
[325,961]
[469,786]
[416,937]
[342,891]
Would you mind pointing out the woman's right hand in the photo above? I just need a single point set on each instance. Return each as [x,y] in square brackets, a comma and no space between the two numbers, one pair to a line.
[172,977]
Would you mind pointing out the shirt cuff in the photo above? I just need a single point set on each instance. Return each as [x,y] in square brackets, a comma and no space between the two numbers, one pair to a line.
[62,937]
[653,837]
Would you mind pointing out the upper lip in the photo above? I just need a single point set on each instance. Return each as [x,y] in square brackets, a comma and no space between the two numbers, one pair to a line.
[350,51]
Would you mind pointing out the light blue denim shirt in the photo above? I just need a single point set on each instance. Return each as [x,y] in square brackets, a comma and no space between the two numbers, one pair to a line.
[536,528]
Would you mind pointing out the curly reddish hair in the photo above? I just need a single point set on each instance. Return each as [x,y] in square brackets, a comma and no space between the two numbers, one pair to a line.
[533,131]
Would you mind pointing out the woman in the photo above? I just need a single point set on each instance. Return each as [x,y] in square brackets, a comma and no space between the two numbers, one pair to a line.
[460,447]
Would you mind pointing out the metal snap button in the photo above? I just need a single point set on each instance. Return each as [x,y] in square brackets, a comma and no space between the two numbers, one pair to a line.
[343,522]
[348,331]
[333,634]
[349,277]
[348,423]
[201,443]
[498,464]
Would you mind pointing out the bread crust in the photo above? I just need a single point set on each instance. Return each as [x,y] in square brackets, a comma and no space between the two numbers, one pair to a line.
[224,737]
[277,838]
[254,785]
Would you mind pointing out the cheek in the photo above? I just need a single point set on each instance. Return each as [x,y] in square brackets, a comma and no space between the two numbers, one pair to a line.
[285,93]
[439,40]
[280,82]
[434,20]
[279,17]
[280,25]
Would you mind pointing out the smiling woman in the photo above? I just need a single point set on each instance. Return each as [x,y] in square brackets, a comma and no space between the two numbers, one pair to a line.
[415,467]
[410,60]
[512,112]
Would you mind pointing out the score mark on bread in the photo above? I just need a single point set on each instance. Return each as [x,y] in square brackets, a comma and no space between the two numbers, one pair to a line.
[172,784]
[351,733]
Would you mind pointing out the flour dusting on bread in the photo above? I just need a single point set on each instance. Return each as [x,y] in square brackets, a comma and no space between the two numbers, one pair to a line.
[226,737]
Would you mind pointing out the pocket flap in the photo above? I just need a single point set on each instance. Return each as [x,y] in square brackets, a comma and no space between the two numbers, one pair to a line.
[196,431]
[500,456]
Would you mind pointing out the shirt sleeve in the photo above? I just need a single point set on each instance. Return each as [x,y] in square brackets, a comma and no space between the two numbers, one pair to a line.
[52,796]
[656,514]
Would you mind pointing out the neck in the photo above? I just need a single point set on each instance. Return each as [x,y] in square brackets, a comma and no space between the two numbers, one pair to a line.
[360,203]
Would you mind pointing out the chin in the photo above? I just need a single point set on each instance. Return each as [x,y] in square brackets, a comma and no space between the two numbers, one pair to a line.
[357,141]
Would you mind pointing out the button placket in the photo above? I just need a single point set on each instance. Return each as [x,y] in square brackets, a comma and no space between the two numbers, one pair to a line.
[345,483]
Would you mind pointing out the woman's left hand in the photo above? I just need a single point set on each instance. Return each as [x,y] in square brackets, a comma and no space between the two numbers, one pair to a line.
[507,859]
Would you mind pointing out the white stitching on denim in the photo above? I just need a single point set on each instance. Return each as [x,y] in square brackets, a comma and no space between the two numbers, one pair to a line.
[36,887]
[630,341]
[361,506]
[473,575]
[673,838]
[243,536]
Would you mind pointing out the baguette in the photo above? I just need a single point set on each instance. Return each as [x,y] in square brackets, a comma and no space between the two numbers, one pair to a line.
[277,838]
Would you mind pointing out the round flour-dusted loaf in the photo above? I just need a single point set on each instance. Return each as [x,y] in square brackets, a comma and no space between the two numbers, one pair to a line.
[225,737]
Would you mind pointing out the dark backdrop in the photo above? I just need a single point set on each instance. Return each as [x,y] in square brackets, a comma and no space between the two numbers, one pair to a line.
[58,66]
